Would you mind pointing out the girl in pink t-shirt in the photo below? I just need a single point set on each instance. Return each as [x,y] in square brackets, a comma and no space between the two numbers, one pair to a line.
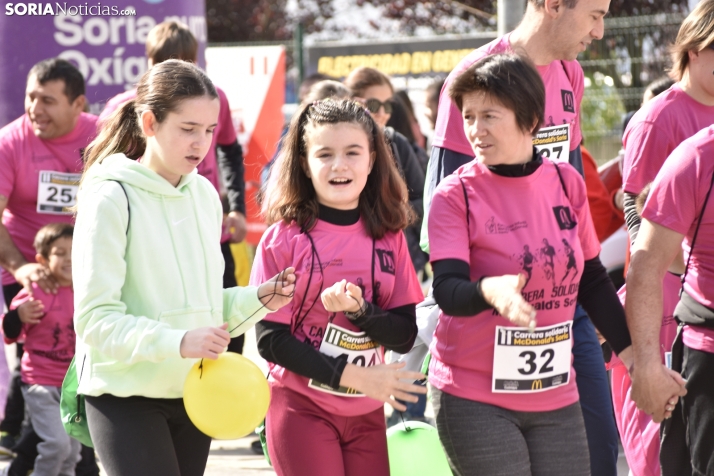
[514,251]
[337,209]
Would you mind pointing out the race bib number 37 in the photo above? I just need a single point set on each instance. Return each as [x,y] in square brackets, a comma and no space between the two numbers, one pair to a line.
[529,362]
[57,192]
[355,347]
[554,142]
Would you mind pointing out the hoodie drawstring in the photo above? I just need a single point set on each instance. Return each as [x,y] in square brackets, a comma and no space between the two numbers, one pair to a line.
[176,253]
[205,247]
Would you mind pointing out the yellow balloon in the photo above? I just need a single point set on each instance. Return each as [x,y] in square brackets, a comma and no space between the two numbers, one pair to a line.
[226,398]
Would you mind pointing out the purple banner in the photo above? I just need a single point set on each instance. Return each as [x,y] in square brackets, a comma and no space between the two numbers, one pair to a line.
[105,40]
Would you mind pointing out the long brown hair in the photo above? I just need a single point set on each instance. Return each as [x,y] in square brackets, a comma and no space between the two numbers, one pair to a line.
[695,34]
[290,196]
[160,90]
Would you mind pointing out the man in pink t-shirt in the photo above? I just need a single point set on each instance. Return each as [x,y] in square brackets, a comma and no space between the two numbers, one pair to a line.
[40,166]
[679,208]
[551,35]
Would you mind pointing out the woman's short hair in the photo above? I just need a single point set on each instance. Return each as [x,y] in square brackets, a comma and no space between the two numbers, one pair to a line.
[695,34]
[508,79]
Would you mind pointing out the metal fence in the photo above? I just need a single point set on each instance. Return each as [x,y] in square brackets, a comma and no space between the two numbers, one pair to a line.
[619,67]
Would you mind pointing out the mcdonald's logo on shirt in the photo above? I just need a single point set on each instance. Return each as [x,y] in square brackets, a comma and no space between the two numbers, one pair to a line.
[537,385]
[568,101]
[564,217]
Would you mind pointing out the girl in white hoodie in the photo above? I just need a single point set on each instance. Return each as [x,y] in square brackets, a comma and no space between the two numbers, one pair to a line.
[148,275]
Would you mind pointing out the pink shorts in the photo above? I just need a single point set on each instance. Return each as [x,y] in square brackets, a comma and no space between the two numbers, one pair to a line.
[304,439]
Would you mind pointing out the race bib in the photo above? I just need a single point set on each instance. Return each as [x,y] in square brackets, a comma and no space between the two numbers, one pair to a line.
[57,192]
[529,362]
[355,347]
[554,142]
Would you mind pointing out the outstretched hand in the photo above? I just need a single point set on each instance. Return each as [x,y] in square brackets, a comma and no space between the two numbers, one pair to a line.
[384,382]
[504,294]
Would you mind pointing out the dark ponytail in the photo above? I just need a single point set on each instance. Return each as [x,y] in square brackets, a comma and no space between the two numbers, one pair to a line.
[121,133]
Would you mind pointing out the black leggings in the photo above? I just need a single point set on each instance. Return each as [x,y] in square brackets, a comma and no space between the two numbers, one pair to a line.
[141,436]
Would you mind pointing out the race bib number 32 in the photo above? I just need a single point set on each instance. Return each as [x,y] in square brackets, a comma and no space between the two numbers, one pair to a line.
[355,347]
[57,192]
[529,362]
[554,142]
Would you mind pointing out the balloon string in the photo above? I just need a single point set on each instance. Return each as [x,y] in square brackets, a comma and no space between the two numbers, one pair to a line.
[271,294]
[401,415]
[200,367]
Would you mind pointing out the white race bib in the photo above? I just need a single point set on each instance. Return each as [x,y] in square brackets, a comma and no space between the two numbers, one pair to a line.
[529,362]
[554,142]
[57,192]
[356,347]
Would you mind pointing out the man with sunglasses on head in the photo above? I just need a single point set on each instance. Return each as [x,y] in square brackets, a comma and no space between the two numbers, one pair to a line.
[551,35]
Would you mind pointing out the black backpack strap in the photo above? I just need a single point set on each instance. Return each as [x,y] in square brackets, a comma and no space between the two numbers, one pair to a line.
[562,182]
[696,232]
[466,201]
[128,207]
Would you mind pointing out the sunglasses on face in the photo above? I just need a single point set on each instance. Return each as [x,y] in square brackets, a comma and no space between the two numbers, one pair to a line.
[373,106]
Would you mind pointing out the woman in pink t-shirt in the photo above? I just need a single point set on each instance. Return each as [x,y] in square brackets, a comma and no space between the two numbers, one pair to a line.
[337,208]
[674,115]
[503,386]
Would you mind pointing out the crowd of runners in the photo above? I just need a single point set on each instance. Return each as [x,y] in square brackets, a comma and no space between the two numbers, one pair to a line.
[517,316]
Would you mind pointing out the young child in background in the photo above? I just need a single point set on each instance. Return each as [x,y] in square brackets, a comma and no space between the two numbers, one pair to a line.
[45,323]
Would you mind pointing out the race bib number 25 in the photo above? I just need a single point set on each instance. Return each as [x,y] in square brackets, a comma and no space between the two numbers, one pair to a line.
[57,192]
[528,362]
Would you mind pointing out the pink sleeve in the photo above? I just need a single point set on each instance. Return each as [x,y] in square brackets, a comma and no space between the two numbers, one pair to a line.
[21,298]
[270,259]
[226,132]
[678,192]
[646,149]
[7,165]
[448,233]
[408,290]
[577,194]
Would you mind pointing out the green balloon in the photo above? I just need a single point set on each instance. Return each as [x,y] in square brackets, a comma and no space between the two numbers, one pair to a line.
[414,449]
